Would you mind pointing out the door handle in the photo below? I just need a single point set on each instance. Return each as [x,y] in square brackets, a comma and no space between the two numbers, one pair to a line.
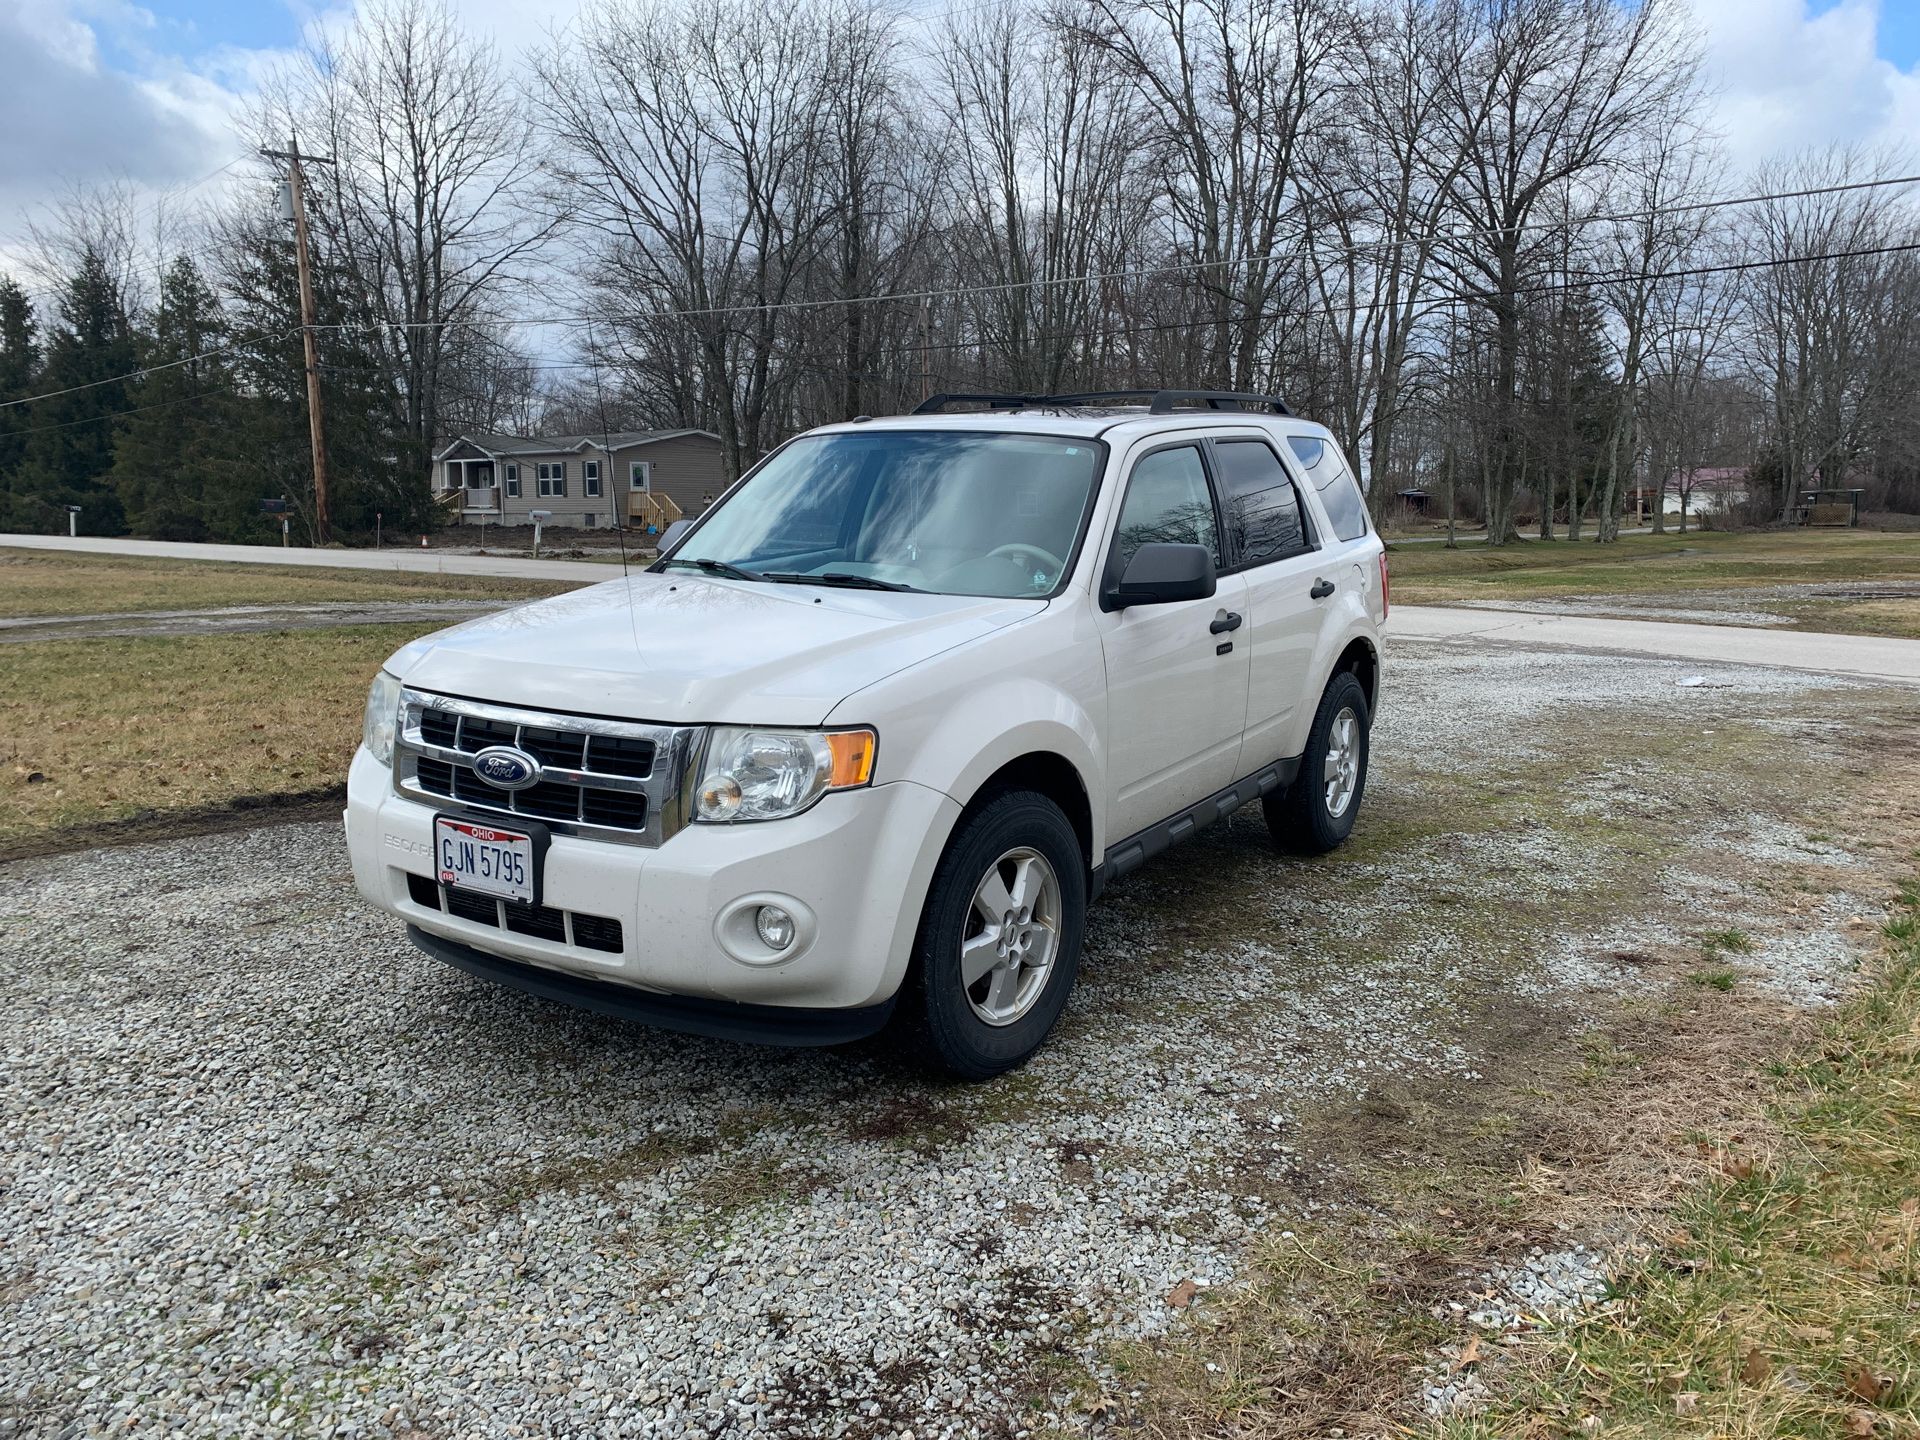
[1321,589]
[1226,620]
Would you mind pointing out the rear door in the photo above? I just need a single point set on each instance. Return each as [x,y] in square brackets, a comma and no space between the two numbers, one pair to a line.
[1271,546]
[1176,684]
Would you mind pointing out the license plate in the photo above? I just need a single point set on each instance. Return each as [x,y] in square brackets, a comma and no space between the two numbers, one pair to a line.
[484,859]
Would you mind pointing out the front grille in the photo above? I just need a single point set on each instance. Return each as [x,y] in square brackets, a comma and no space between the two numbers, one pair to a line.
[542,922]
[607,778]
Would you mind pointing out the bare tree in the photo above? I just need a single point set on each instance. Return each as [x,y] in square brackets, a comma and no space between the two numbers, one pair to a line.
[1378,193]
[1046,186]
[1554,91]
[1817,303]
[429,204]
[1231,87]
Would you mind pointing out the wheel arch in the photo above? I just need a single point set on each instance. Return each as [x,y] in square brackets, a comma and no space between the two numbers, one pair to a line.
[1048,773]
[1360,659]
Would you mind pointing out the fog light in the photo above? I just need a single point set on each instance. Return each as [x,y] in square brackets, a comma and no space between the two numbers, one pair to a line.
[774,926]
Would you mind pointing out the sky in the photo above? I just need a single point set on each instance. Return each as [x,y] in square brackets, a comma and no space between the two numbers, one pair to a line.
[98,91]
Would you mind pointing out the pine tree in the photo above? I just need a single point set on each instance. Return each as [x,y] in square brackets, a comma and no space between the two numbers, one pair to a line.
[19,369]
[179,460]
[69,441]
[364,439]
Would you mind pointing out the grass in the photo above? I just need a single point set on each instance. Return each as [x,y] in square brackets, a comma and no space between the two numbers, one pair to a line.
[1667,564]
[120,728]
[1784,1297]
[34,582]
[1778,1295]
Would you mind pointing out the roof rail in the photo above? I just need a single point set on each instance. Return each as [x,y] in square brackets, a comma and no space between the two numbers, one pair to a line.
[1158,402]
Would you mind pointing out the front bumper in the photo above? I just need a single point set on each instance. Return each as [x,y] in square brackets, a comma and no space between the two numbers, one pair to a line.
[855,870]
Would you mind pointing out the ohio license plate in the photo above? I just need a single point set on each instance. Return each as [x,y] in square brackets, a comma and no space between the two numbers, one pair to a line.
[484,859]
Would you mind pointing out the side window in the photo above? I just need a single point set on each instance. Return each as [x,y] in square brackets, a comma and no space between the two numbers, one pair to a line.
[1167,503]
[1262,512]
[513,481]
[1328,473]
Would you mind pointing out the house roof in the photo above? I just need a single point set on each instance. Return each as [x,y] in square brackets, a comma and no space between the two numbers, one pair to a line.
[497,444]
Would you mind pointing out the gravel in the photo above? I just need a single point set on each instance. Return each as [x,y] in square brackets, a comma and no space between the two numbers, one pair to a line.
[271,1171]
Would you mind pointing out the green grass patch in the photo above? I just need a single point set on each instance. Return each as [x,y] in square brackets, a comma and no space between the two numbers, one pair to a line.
[1717,977]
[38,582]
[1783,1297]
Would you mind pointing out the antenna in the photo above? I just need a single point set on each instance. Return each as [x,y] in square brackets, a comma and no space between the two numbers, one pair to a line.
[606,449]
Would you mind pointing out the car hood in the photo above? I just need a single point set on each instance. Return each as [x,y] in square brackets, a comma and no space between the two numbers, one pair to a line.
[686,649]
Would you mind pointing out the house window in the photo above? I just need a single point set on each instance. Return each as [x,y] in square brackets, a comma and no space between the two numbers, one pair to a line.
[552,479]
[590,478]
[513,481]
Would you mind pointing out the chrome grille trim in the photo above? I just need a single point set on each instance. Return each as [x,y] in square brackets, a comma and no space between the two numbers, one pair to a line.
[665,789]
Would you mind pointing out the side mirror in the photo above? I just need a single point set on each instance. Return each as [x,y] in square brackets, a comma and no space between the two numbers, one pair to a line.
[1162,574]
[673,533]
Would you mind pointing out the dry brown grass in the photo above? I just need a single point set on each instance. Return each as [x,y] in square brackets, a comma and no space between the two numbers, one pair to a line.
[115,729]
[1658,564]
[38,582]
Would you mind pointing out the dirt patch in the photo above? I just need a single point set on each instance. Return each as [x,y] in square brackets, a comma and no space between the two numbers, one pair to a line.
[243,812]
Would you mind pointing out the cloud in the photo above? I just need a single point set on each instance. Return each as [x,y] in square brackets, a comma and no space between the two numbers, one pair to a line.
[69,116]
[1790,79]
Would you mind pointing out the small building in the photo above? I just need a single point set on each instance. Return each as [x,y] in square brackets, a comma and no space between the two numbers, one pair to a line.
[638,477]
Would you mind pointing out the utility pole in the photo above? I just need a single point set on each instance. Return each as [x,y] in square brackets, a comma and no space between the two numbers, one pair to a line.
[316,419]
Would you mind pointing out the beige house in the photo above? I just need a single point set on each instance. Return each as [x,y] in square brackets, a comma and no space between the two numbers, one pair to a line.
[642,477]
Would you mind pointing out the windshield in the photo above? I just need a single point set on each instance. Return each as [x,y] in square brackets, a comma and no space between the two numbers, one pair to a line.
[957,513]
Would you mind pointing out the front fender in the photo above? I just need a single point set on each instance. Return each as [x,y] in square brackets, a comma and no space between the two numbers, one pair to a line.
[1034,688]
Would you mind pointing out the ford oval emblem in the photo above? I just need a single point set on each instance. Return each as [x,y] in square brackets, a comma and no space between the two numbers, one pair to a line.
[506,768]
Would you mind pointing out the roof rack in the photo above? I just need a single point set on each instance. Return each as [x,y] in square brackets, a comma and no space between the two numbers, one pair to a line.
[1158,402]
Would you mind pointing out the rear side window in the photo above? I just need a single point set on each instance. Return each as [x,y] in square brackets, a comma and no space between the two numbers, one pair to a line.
[1167,504]
[1327,472]
[1262,512]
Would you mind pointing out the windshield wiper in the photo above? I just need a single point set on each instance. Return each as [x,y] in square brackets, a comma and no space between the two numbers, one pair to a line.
[840,578]
[720,567]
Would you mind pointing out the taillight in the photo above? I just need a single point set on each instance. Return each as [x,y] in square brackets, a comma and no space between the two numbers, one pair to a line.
[1384,587]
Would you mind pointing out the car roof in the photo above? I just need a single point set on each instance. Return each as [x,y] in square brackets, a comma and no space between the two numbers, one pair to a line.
[1116,423]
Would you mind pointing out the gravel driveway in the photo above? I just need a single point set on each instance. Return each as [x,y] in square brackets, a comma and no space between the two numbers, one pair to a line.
[271,1171]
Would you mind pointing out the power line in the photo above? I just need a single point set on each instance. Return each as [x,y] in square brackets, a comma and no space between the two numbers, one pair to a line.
[1090,277]
[1583,282]
[1357,308]
[117,414]
[147,370]
[1579,284]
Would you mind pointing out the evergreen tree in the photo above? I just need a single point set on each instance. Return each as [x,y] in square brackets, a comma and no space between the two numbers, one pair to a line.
[19,368]
[69,440]
[365,445]
[180,465]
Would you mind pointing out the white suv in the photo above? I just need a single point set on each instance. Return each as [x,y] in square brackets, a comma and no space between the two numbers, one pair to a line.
[885,719]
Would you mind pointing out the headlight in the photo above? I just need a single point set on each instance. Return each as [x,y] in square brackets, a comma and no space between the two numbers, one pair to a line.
[383,717]
[765,774]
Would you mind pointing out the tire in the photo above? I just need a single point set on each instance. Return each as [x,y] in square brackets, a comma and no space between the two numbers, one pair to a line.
[984,1029]
[1309,817]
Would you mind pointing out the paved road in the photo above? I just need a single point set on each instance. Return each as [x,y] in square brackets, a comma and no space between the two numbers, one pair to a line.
[432,562]
[1470,537]
[1860,655]
[1866,656]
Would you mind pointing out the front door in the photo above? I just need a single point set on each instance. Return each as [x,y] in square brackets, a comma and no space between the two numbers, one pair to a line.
[1176,685]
